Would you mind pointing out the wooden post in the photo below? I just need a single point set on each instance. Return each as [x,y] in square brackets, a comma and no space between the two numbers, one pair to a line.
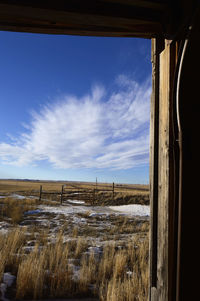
[96,183]
[162,263]
[94,197]
[40,195]
[154,143]
[61,195]
[113,190]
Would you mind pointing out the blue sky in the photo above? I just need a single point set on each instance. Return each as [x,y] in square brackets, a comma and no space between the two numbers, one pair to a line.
[74,108]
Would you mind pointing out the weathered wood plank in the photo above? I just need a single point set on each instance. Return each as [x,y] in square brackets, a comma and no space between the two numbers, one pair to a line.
[153,174]
[163,179]
[101,18]
[165,246]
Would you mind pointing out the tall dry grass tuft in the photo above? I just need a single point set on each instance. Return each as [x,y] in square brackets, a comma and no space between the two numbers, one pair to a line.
[14,209]
[128,280]
[122,290]
[45,272]
[120,264]
[59,278]
[88,273]
[81,246]
[31,275]
[106,263]
[65,269]
[11,249]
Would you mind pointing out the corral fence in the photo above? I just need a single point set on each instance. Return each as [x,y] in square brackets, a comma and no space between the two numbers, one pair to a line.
[89,193]
[81,193]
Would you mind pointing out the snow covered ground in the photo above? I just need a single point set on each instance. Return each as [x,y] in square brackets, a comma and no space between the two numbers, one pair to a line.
[80,206]
[76,202]
[70,209]
[132,210]
[135,210]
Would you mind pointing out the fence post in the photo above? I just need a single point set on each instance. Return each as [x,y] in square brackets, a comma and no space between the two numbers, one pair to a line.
[94,197]
[113,190]
[61,195]
[40,195]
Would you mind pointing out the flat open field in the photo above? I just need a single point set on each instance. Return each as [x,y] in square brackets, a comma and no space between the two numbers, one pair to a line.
[53,186]
[92,245]
[98,193]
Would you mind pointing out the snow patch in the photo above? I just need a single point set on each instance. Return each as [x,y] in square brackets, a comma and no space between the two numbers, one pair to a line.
[17,196]
[136,210]
[75,202]
[8,280]
[32,212]
[66,210]
[94,214]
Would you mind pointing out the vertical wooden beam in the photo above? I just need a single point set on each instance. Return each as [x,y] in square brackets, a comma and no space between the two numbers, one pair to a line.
[165,246]
[163,177]
[113,191]
[162,172]
[153,175]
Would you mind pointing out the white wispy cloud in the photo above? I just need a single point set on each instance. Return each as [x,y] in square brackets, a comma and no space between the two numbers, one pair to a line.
[95,131]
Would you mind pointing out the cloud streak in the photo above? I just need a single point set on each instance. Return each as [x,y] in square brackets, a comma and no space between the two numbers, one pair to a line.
[99,130]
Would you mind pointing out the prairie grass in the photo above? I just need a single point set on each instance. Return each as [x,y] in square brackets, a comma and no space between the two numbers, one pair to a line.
[14,209]
[121,275]
[46,267]
[10,247]
[122,197]
[45,272]
[129,281]
[28,187]
[81,246]
[116,274]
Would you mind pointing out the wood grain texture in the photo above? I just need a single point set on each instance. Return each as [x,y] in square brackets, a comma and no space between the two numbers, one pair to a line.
[100,18]
[153,174]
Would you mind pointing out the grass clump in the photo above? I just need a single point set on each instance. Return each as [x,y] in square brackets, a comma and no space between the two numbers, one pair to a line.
[10,249]
[14,209]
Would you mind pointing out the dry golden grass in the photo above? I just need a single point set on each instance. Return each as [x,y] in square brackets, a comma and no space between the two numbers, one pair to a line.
[28,186]
[81,246]
[96,195]
[117,274]
[106,264]
[87,274]
[31,274]
[121,275]
[46,272]
[133,284]
[14,209]
[10,246]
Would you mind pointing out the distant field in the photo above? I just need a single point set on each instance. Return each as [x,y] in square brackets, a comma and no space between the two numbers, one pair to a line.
[18,185]
[92,193]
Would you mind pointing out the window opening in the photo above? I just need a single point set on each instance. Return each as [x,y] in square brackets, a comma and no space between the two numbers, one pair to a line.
[74,157]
